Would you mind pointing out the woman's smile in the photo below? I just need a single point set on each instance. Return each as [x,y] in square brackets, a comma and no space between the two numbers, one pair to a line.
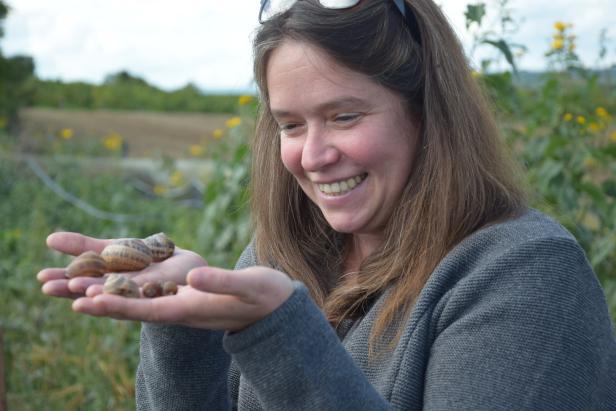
[341,187]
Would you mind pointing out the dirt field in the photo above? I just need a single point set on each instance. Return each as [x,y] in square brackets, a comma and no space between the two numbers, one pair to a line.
[147,133]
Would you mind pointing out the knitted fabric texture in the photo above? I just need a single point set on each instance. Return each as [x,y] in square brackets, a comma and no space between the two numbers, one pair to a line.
[512,318]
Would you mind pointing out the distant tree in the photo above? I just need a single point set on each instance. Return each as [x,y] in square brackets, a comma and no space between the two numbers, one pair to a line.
[124,77]
[14,75]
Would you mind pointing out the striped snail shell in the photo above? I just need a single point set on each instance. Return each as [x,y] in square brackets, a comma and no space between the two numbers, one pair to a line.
[161,246]
[87,264]
[119,284]
[127,254]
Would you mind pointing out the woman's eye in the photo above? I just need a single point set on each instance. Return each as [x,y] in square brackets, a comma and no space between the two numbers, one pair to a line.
[289,128]
[346,117]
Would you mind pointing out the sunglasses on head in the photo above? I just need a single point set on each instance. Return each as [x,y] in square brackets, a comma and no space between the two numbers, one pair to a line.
[270,8]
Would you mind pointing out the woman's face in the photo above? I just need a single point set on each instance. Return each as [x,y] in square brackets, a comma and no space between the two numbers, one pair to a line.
[348,141]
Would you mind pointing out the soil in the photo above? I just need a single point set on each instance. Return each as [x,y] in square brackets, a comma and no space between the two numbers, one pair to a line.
[147,134]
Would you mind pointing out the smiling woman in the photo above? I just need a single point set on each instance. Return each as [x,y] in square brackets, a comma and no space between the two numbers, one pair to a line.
[395,262]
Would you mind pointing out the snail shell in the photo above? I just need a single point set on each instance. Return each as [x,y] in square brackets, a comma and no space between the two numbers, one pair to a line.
[152,290]
[170,288]
[119,284]
[127,254]
[161,246]
[88,264]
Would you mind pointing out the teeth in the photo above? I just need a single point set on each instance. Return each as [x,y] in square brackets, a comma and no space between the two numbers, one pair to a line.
[342,187]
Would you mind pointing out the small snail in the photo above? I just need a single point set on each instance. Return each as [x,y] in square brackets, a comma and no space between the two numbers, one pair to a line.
[127,254]
[119,284]
[88,264]
[155,289]
[161,246]
[169,288]
[152,290]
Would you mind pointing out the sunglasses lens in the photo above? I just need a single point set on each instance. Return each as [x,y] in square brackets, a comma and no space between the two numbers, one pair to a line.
[273,7]
[338,4]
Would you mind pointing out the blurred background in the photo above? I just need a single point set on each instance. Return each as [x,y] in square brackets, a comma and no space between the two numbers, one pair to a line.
[123,119]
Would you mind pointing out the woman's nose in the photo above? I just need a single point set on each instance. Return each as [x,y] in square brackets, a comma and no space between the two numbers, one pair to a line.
[318,151]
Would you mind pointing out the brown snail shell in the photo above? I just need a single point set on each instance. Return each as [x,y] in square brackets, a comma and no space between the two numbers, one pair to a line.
[161,246]
[119,284]
[87,264]
[127,254]
[169,288]
[152,290]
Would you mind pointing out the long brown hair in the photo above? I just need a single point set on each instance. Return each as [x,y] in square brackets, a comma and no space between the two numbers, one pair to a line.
[462,179]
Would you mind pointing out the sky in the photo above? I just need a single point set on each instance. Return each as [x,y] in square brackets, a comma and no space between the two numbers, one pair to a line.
[208,43]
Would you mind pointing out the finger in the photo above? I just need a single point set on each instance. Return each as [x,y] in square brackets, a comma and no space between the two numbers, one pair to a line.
[156,310]
[94,289]
[81,284]
[49,274]
[75,243]
[59,288]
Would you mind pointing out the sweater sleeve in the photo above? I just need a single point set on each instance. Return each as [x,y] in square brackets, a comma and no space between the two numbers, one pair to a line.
[527,329]
[308,368]
[183,368]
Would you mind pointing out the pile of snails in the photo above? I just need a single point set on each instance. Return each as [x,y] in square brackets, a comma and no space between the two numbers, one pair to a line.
[126,254]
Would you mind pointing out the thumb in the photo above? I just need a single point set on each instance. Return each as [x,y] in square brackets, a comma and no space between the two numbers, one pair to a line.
[220,281]
[74,243]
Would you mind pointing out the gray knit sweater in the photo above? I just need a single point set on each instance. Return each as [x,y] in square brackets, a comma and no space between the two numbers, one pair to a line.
[512,318]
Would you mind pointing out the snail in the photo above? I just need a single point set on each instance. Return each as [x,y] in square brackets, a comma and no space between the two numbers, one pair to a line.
[152,290]
[155,289]
[127,254]
[88,264]
[160,245]
[121,285]
[169,288]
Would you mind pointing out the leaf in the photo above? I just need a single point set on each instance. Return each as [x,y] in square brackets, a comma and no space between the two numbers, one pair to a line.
[474,14]
[504,48]
[602,249]
[548,171]
[609,187]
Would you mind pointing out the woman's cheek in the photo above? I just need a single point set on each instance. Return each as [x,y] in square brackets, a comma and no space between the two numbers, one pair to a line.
[291,156]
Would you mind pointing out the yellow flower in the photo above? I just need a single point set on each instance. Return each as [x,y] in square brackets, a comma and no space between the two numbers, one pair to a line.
[590,162]
[159,189]
[3,122]
[581,120]
[196,150]
[218,133]
[243,100]
[602,112]
[234,122]
[560,26]
[613,136]
[66,133]
[113,142]
[176,178]
[558,44]
[591,221]
[568,117]
[475,74]
[594,127]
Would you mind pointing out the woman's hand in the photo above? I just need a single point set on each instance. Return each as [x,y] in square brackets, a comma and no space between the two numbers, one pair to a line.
[56,284]
[214,298]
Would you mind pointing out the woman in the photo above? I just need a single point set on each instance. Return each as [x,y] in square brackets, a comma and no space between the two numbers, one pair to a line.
[395,263]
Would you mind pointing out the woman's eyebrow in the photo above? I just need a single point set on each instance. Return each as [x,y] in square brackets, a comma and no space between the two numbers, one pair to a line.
[326,106]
